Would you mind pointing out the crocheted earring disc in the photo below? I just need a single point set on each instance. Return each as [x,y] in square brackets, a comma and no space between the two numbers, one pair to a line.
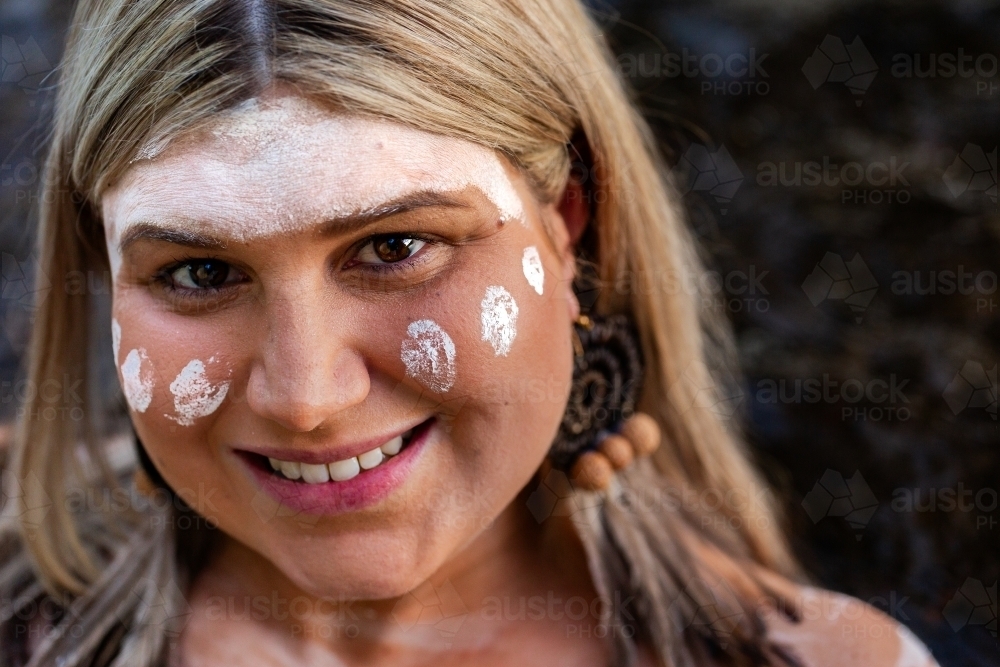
[607,370]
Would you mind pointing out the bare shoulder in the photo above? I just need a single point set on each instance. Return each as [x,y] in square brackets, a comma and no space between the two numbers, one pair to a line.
[837,630]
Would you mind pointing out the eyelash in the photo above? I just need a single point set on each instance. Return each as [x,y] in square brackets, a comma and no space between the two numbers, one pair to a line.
[163,279]
[403,265]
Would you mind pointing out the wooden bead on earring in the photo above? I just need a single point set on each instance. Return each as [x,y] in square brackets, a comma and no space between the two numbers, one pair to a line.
[618,450]
[643,432]
[592,471]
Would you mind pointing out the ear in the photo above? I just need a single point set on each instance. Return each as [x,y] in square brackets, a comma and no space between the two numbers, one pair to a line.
[569,217]
[574,210]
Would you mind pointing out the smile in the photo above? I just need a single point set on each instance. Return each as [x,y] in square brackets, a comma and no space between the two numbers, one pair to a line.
[314,485]
[345,469]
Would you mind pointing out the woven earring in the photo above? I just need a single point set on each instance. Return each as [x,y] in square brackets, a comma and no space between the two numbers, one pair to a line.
[601,432]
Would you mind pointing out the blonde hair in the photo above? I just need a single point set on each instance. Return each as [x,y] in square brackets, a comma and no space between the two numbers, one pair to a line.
[523,77]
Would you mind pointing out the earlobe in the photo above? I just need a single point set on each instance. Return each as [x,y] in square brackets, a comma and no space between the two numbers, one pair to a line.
[573,304]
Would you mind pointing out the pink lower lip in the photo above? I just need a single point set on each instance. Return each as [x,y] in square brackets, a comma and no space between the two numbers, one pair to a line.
[368,488]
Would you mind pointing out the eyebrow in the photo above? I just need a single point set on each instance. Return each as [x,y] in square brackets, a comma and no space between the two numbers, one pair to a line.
[161,231]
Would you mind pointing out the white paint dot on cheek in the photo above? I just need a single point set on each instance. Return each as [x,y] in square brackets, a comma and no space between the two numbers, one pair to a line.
[531,264]
[429,355]
[499,319]
[116,338]
[194,395]
[137,382]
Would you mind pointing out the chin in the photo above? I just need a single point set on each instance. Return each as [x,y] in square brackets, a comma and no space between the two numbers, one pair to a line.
[357,586]
[356,573]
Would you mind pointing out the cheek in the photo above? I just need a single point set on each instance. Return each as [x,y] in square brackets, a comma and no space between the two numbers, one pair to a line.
[497,350]
[171,369]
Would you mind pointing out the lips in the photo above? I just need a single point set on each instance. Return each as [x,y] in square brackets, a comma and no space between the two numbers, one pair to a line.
[320,483]
[343,469]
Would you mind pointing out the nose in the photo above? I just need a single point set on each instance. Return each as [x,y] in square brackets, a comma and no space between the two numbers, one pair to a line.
[306,372]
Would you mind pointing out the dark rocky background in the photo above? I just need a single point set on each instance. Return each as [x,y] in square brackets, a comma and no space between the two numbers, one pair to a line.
[884,288]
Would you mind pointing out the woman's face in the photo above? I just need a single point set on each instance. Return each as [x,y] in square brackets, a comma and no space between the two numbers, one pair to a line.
[298,288]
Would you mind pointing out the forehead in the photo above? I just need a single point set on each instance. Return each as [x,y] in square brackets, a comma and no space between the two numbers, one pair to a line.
[275,165]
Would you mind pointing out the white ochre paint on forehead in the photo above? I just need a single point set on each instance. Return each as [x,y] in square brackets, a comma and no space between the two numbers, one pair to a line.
[283,165]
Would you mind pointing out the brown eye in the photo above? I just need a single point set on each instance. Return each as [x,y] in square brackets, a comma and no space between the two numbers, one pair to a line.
[389,248]
[202,274]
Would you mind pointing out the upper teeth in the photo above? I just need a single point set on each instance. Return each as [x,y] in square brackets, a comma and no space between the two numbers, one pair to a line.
[338,471]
